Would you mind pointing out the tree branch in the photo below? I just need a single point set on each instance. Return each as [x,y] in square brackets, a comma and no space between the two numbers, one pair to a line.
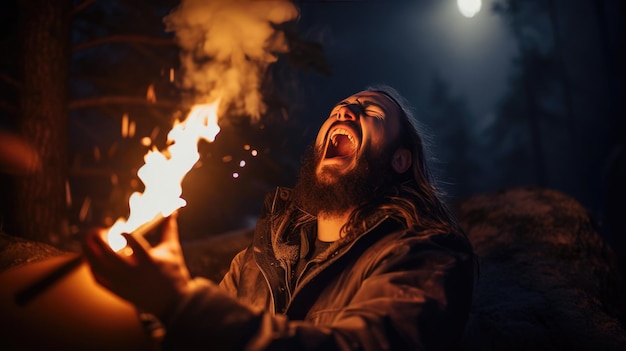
[119,100]
[132,39]
[10,80]
[78,8]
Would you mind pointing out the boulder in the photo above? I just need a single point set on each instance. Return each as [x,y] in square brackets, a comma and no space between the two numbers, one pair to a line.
[547,280]
[16,251]
[210,258]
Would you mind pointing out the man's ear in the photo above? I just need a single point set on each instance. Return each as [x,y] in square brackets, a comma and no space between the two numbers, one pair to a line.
[401,160]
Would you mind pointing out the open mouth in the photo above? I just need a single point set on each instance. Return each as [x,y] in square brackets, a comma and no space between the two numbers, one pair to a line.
[342,143]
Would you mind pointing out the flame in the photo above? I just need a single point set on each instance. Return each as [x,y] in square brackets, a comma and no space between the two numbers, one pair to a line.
[163,172]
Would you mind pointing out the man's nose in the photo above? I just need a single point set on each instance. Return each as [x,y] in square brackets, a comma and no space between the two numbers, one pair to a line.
[348,112]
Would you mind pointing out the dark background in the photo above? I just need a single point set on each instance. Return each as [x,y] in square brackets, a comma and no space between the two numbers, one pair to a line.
[526,93]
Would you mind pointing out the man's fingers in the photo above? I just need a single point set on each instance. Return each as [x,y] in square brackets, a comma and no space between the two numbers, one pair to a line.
[100,279]
[94,245]
[92,236]
[140,247]
[100,255]
[170,228]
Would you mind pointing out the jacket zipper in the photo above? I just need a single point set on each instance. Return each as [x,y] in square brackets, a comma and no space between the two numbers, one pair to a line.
[335,256]
[287,280]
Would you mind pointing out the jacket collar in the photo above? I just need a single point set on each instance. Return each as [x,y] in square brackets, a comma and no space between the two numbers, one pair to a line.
[285,242]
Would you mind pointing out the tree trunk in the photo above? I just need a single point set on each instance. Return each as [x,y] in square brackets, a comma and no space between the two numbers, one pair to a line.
[40,212]
[532,111]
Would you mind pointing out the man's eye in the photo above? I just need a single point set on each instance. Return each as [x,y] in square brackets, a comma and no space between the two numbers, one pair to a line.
[375,114]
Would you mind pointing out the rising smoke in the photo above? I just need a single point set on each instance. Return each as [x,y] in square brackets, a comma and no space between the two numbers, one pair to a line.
[226,47]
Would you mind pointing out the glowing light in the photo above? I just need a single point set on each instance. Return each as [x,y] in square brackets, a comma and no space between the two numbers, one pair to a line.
[131,129]
[469,8]
[96,153]
[146,141]
[254,153]
[124,125]
[155,133]
[68,194]
[163,172]
[242,163]
[235,175]
[151,94]
[246,147]
[84,209]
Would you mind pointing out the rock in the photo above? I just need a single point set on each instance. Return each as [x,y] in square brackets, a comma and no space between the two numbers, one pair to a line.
[547,280]
[210,258]
[16,251]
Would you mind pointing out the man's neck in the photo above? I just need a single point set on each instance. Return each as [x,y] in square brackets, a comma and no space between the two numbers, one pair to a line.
[329,225]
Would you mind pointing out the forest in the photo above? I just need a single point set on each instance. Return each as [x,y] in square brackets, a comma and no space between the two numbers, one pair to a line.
[522,104]
[85,82]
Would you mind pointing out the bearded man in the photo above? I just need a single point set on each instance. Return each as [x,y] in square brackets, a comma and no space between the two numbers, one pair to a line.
[361,255]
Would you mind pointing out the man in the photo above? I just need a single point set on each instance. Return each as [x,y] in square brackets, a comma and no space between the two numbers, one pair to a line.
[360,255]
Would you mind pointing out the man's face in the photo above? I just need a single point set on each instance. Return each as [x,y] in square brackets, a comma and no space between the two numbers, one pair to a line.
[350,160]
[359,127]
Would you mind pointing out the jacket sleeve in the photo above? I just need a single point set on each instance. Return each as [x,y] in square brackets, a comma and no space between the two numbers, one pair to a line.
[229,282]
[415,298]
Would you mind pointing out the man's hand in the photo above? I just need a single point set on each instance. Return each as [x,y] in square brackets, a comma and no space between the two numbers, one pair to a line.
[152,278]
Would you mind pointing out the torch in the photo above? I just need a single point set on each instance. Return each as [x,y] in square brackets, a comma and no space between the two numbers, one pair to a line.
[162,175]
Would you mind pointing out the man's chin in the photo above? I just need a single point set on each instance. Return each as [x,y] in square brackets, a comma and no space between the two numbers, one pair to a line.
[329,173]
[326,176]
[336,185]
[340,163]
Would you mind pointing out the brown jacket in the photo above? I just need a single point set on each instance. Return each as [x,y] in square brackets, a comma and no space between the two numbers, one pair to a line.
[390,288]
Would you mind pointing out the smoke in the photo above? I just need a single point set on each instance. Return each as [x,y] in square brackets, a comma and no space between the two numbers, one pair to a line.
[226,47]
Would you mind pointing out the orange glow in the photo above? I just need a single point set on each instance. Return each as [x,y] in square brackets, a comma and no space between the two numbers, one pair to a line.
[131,129]
[163,172]
[124,125]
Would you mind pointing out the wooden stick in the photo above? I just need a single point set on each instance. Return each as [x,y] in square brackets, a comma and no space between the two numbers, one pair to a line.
[30,292]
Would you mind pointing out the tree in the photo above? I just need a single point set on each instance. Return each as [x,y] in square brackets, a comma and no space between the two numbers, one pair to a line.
[450,117]
[568,77]
[44,51]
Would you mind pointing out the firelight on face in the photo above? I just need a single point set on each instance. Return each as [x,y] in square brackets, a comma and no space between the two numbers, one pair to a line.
[360,124]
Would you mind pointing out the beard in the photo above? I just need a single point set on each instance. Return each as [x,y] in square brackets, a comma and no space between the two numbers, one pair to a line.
[339,192]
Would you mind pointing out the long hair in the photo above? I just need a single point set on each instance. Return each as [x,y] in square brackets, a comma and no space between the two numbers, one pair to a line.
[415,200]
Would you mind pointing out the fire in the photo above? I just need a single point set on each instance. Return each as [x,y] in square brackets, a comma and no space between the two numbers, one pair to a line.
[163,172]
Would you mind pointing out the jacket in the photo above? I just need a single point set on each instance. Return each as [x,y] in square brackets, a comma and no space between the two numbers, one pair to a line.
[389,288]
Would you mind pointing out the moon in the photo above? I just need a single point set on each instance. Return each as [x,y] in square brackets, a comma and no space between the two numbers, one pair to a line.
[469,8]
